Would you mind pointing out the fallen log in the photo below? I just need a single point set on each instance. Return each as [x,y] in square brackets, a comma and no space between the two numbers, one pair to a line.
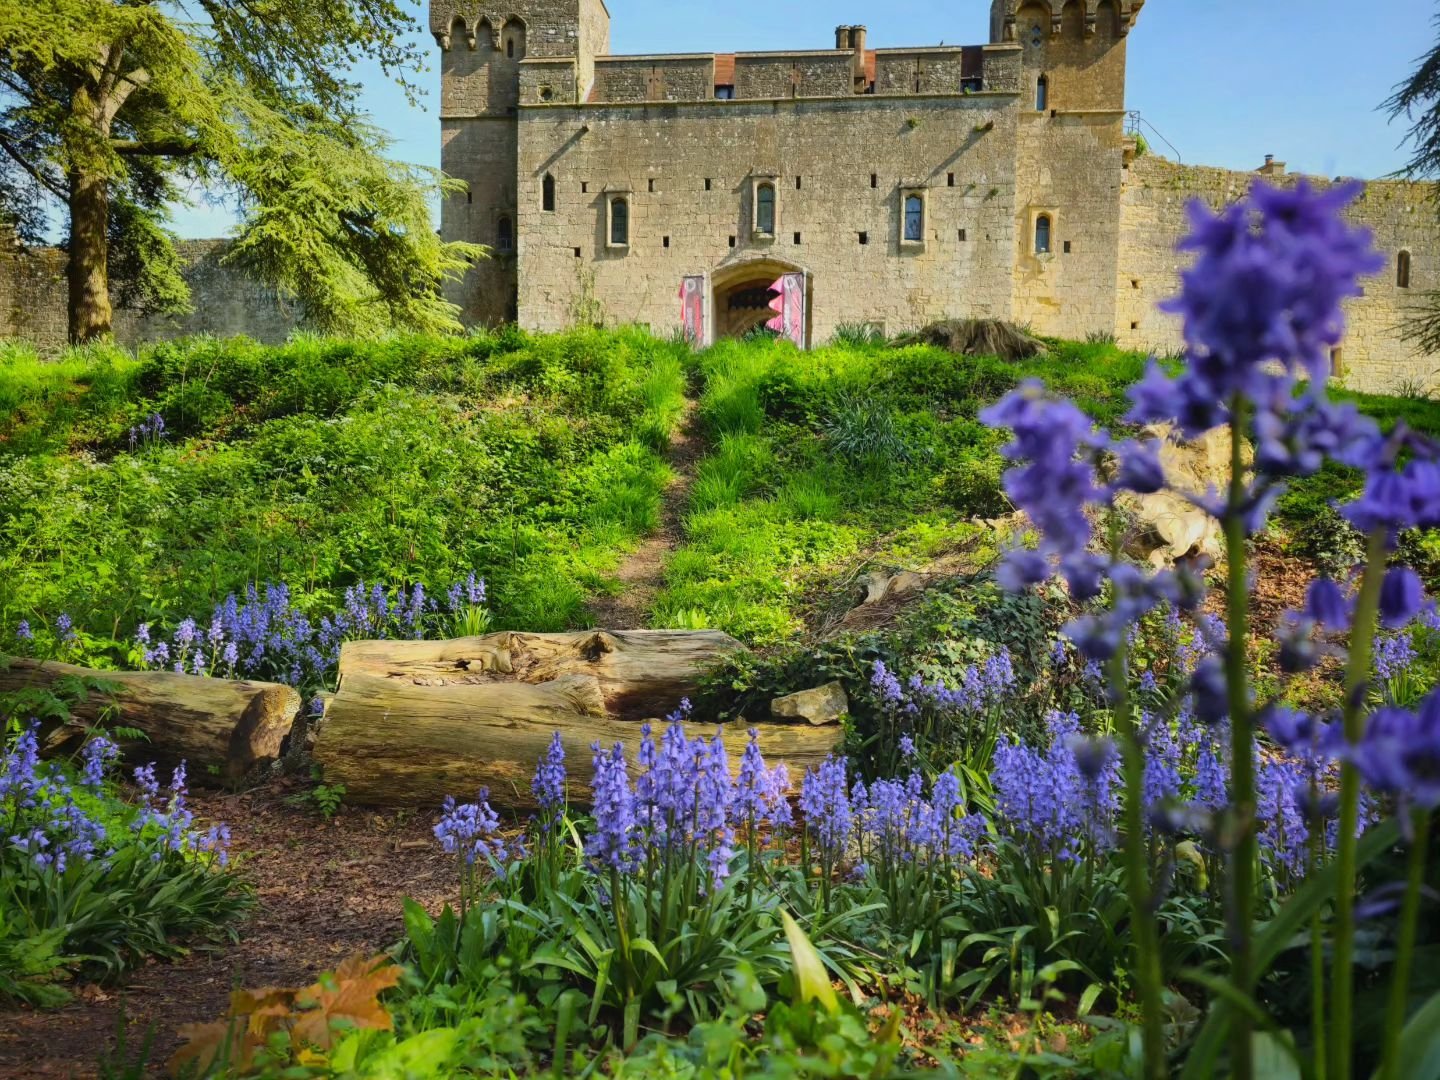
[392,742]
[640,673]
[223,729]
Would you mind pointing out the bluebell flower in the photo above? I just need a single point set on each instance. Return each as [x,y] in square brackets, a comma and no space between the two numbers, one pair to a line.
[1394,654]
[825,803]
[1402,597]
[549,783]
[612,845]
[99,754]
[23,631]
[469,830]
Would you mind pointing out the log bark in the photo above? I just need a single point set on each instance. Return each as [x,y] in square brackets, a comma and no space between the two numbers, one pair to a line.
[392,742]
[640,673]
[223,729]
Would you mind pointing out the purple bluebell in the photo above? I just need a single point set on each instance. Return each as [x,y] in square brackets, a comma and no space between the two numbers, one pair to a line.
[1328,606]
[23,631]
[825,804]
[469,830]
[613,843]
[1394,655]
[1209,691]
[99,754]
[1402,597]
[1399,754]
[549,785]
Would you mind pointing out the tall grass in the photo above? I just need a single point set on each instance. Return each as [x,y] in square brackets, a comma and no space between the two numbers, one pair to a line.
[532,460]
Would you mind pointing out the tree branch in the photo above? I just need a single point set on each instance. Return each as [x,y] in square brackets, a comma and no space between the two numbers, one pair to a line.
[168,147]
[35,174]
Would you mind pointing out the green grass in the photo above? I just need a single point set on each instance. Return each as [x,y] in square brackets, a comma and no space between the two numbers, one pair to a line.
[534,460]
[530,460]
[822,459]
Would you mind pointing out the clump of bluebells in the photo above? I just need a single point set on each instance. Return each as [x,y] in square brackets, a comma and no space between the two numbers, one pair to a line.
[956,719]
[58,817]
[148,433]
[76,861]
[1262,308]
[269,633]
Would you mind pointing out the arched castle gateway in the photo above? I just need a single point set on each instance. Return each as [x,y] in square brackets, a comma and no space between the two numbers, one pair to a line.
[717,192]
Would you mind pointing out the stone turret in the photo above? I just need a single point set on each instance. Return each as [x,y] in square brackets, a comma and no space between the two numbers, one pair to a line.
[1009,17]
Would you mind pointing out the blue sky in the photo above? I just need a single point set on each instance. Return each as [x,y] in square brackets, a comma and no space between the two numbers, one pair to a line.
[1225,81]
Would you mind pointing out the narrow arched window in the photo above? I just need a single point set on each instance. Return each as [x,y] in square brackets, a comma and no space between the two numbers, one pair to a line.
[619,222]
[765,209]
[504,235]
[914,218]
[1042,235]
[1042,93]
[1402,270]
[510,48]
[547,194]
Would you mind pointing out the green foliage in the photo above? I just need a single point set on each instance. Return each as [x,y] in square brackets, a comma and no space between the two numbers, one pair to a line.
[138,101]
[138,893]
[1027,926]
[529,461]
[324,799]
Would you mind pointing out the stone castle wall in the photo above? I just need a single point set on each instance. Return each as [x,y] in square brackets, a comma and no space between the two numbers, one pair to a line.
[1375,355]
[839,167]
[225,302]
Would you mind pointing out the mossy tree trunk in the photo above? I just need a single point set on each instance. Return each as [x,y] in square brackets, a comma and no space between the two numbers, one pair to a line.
[87,275]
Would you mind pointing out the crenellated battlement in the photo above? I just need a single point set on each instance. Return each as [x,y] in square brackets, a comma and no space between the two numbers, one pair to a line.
[1010,18]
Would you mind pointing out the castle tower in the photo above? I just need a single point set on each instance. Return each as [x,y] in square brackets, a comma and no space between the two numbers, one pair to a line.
[1076,46]
[1069,158]
[494,59]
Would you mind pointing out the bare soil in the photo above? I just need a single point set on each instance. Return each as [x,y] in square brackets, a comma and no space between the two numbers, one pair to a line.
[641,574]
[323,891]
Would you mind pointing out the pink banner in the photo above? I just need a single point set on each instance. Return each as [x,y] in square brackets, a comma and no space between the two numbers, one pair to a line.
[790,303]
[692,309]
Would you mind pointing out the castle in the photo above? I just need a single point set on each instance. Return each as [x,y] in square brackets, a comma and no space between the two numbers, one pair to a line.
[710,194]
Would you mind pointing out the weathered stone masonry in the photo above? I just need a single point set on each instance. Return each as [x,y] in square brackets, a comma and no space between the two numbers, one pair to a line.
[899,185]
[1034,205]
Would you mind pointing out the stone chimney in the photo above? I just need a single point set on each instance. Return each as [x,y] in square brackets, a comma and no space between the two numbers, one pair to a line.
[842,37]
[1272,167]
[857,42]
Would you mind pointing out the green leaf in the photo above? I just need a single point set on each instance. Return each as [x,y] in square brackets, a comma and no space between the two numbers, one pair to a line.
[812,982]
[1420,1043]
[1273,938]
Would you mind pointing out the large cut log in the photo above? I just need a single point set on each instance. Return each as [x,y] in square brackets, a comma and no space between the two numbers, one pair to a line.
[392,742]
[222,729]
[640,673]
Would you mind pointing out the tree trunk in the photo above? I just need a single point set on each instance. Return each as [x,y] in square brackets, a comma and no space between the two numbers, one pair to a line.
[224,730]
[88,272]
[392,742]
[641,674]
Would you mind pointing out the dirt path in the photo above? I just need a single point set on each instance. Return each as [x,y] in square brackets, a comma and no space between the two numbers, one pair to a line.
[641,574]
[323,892]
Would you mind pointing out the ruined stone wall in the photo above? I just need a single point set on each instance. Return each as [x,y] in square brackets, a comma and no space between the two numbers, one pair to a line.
[226,302]
[851,157]
[1375,355]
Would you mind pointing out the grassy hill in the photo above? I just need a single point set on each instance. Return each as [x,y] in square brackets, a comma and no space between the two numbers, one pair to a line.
[537,462]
